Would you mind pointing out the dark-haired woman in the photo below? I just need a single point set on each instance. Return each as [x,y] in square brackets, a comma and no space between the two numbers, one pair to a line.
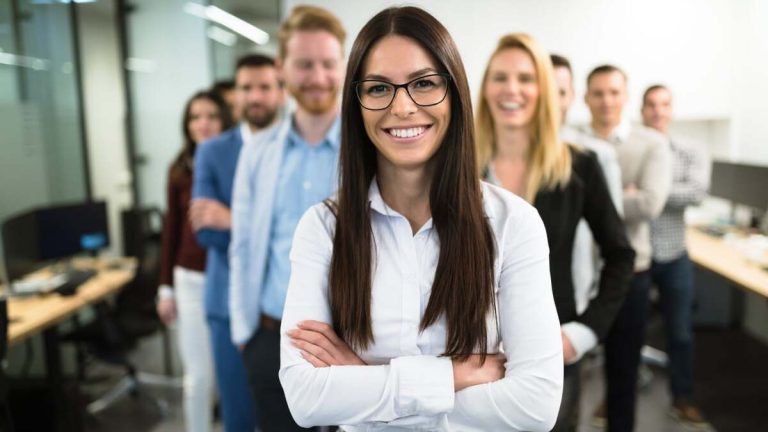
[405,287]
[182,276]
[517,135]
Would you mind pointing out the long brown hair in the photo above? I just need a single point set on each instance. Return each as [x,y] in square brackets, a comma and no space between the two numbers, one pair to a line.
[463,288]
[549,161]
[182,163]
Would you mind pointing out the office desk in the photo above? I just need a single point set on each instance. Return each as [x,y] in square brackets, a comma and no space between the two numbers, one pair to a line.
[30,315]
[713,254]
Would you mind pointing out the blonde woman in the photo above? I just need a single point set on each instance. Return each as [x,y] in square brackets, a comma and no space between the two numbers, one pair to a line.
[517,124]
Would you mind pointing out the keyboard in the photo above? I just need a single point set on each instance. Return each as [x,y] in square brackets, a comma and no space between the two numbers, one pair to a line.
[75,278]
[713,230]
[64,283]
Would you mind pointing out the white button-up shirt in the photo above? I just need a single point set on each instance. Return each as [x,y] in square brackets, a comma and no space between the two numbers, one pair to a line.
[407,384]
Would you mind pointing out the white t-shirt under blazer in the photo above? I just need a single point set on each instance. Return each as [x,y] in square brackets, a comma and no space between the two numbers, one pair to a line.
[407,384]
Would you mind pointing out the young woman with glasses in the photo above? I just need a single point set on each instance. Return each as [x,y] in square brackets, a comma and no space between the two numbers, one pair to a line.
[406,286]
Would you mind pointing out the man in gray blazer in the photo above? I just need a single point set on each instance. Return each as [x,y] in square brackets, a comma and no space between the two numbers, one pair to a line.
[645,161]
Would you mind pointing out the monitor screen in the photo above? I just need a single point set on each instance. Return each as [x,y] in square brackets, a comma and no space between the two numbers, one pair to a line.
[64,231]
[38,236]
[740,183]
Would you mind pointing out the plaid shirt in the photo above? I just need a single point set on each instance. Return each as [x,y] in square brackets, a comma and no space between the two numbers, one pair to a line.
[691,167]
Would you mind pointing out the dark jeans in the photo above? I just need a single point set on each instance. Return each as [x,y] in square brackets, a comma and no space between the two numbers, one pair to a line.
[622,355]
[675,282]
[568,416]
[262,360]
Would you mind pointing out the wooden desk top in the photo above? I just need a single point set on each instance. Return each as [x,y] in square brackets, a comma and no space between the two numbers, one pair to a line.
[715,255]
[29,315]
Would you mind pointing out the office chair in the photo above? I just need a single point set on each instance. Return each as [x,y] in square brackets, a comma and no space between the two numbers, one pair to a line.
[118,327]
[6,422]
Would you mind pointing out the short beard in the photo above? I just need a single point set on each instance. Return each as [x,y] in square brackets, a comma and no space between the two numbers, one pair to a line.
[315,107]
[262,121]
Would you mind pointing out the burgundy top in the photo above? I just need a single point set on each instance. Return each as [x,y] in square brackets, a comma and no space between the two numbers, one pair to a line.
[179,245]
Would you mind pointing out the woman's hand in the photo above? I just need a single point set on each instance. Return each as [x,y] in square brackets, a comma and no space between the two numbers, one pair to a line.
[321,347]
[166,310]
[470,372]
[569,352]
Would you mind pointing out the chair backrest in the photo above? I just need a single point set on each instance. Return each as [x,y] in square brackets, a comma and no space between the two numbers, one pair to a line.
[135,305]
[3,328]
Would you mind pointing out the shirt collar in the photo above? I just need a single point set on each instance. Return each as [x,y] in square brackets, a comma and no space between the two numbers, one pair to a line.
[245,132]
[379,206]
[376,201]
[332,135]
[618,135]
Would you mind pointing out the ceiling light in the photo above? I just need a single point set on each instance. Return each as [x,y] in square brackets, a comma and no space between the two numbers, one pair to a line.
[226,19]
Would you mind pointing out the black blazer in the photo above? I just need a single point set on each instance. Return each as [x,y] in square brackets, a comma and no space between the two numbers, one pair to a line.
[586,196]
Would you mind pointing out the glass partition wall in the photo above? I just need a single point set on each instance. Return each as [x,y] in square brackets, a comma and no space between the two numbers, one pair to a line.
[173,49]
[42,147]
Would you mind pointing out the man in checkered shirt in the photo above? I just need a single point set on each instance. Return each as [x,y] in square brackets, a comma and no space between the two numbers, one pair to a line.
[671,270]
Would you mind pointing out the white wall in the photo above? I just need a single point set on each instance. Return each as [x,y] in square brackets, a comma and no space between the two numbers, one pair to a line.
[710,52]
[750,74]
[104,103]
[174,46]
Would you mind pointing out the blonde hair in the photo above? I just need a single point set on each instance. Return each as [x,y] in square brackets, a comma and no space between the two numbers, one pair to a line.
[309,18]
[549,159]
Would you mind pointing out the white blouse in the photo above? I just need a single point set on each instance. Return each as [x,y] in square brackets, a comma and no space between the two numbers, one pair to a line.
[407,384]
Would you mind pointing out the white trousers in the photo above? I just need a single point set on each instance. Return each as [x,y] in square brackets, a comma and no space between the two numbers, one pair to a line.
[195,349]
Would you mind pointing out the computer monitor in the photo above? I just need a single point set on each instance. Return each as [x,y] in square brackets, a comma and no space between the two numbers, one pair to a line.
[741,183]
[36,237]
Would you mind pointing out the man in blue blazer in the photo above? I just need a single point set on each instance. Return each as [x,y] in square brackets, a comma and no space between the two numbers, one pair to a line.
[260,97]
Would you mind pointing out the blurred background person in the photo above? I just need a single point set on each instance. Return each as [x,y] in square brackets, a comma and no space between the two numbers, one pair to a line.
[671,269]
[182,276]
[646,176]
[290,168]
[517,123]
[586,264]
[226,91]
[259,98]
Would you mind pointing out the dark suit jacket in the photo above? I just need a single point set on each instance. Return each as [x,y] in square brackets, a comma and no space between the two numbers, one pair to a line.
[586,196]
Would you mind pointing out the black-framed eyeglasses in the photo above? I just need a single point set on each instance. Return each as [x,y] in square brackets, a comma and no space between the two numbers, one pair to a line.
[424,91]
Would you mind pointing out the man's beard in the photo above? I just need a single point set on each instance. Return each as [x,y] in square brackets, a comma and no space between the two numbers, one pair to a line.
[261,120]
[315,106]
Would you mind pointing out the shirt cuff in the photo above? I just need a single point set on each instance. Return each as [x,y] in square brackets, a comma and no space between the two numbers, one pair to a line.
[165,292]
[241,331]
[582,338]
[425,385]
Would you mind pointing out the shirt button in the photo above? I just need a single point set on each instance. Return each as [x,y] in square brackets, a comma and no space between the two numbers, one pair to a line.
[307,185]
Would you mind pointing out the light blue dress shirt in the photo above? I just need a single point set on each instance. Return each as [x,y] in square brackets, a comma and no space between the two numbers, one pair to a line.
[306,178]
[278,177]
